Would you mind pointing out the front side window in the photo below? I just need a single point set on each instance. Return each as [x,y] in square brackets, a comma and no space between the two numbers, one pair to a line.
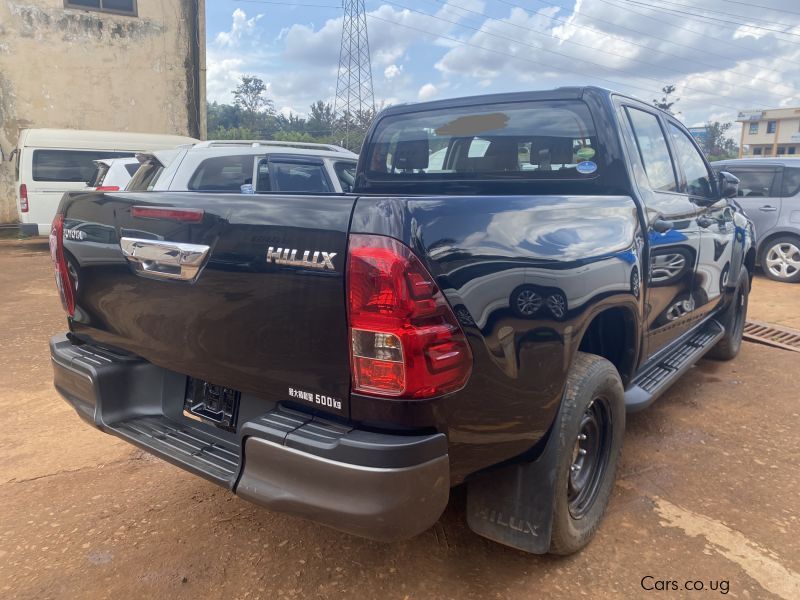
[122,7]
[754,128]
[223,174]
[524,140]
[791,182]
[653,150]
[295,177]
[346,173]
[754,183]
[698,179]
[69,166]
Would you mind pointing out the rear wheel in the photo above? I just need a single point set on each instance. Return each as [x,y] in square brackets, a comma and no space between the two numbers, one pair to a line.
[733,319]
[780,259]
[590,437]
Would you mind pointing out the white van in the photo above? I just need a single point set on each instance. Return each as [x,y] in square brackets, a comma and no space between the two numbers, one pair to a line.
[49,162]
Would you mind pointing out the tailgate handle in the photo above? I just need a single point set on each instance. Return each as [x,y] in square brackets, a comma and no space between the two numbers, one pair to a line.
[165,260]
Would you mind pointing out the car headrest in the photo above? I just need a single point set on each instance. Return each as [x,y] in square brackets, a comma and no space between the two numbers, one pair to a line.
[558,149]
[412,153]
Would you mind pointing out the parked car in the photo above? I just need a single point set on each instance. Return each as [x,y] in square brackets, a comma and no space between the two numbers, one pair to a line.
[349,357]
[112,174]
[267,166]
[769,192]
[49,162]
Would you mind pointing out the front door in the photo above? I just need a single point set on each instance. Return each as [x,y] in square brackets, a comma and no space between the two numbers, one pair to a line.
[715,220]
[673,233]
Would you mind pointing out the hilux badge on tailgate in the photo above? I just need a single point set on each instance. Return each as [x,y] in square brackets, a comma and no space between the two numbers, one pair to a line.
[312,259]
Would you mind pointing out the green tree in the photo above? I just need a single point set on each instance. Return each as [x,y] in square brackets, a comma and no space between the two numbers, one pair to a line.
[320,119]
[250,96]
[717,145]
[666,103]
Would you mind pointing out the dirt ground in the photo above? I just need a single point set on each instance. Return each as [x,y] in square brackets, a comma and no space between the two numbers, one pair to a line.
[708,493]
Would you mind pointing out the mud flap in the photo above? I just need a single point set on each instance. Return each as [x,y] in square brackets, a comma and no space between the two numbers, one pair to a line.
[513,505]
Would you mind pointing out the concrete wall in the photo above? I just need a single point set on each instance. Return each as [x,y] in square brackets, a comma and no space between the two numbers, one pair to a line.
[77,69]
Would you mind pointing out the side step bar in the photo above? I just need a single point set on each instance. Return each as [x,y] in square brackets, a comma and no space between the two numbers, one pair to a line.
[655,379]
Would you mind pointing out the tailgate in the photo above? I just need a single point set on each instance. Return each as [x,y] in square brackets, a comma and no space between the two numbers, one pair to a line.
[270,324]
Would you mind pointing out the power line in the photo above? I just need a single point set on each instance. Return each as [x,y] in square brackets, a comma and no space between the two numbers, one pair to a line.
[540,48]
[492,50]
[724,13]
[751,5]
[596,49]
[724,22]
[636,31]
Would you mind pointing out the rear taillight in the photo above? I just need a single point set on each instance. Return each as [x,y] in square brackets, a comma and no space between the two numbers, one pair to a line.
[107,188]
[63,279]
[404,339]
[185,215]
[23,198]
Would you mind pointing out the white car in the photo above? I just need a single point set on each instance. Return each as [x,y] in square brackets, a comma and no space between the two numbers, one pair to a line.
[112,174]
[247,166]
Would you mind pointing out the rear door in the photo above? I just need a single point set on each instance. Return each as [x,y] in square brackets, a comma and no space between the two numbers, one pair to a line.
[257,317]
[759,194]
[673,231]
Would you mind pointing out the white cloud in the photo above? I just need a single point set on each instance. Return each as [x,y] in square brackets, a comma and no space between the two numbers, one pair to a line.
[240,27]
[392,71]
[427,91]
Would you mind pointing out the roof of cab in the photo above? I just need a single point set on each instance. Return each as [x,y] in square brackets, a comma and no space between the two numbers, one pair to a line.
[101,140]
[562,93]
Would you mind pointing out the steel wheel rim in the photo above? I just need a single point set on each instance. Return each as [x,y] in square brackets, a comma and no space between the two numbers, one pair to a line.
[783,260]
[528,302]
[590,456]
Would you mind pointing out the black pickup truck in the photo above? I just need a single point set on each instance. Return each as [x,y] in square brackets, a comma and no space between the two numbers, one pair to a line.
[510,275]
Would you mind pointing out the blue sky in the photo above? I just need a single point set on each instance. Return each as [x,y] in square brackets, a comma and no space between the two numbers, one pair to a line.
[727,56]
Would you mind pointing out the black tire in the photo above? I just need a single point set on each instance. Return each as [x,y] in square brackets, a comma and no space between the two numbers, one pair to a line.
[733,319]
[593,388]
[785,242]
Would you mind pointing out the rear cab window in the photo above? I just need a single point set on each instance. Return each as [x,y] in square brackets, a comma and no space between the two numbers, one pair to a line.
[69,165]
[534,140]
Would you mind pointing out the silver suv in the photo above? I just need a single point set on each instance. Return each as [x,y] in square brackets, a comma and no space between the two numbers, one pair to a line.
[247,166]
[769,192]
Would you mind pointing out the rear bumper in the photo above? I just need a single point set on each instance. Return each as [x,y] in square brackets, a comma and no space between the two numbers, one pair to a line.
[379,486]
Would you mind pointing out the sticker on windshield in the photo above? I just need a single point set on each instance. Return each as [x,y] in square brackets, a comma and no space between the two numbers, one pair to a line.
[585,153]
[586,167]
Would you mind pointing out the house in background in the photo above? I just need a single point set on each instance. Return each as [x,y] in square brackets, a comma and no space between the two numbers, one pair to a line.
[773,132]
[120,65]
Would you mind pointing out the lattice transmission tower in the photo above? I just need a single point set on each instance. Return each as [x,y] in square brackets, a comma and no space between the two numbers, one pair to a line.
[355,100]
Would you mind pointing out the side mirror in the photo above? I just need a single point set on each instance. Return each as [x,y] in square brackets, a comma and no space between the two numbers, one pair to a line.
[728,185]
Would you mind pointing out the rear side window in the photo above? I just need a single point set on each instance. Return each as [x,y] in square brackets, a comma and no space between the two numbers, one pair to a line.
[223,174]
[525,140]
[653,150]
[698,179]
[791,182]
[145,178]
[131,168]
[293,177]
[754,183]
[69,165]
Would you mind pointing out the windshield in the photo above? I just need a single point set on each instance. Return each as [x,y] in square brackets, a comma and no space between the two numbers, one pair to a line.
[537,140]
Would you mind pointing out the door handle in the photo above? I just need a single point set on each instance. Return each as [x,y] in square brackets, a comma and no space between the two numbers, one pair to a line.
[165,260]
[705,222]
[662,226]
[768,208]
